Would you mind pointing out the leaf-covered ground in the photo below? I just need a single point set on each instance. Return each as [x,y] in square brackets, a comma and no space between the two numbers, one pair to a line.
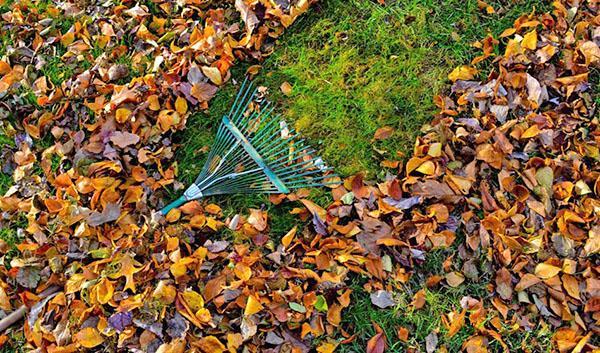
[482,235]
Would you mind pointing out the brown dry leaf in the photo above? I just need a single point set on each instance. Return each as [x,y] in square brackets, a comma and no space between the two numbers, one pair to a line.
[384,133]
[454,279]
[286,88]
[124,139]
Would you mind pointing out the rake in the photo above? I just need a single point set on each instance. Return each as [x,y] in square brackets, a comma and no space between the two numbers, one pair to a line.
[256,152]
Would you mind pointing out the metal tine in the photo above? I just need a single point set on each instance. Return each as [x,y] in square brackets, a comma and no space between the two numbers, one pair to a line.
[256,114]
[218,171]
[254,186]
[294,163]
[214,180]
[244,89]
[224,156]
[244,83]
[268,142]
[301,165]
[283,166]
[273,148]
[243,124]
[234,115]
[250,179]
[236,108]
[270,139]
[293,136]
[314,180]
[295,155]
[291,179]
[268,123]
[229,138]
[292,176]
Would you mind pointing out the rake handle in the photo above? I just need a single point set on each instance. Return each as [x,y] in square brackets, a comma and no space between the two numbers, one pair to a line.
[178,202]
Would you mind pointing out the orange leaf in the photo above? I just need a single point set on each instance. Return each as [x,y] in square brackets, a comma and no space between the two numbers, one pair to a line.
[287,239]
[89,337]
[211,344]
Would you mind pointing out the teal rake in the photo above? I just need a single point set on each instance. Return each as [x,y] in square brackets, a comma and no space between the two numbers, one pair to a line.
[255,152]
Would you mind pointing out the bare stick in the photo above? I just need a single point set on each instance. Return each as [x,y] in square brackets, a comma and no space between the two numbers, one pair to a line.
[22,310]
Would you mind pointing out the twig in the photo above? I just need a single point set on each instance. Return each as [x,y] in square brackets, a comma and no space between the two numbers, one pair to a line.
[22,310]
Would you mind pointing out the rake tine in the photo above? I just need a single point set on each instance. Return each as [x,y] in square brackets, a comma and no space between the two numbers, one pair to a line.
[252,155]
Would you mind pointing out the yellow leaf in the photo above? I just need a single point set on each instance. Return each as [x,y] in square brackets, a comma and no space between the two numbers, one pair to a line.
[212,209]
[198,221]
[203,315]
[287,239]
[173,215]
[213,74]
[545,271]
[175,346]
[193,299]
[234,341]
[179,268]
[427,168]
[463,72]
[592,245]
[153,102]
[252,306]
[165,293]
[533,131]
[435,149]
[530,40]
[181,105]
[104,291]
[507,32]
[454,279]
[67,38]
[242,271]
[89,337]
[327,347]
[74,283]
[122,115]
[4,300]
[571,286]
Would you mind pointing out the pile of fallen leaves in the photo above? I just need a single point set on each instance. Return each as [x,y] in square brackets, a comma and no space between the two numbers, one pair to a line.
[509,166]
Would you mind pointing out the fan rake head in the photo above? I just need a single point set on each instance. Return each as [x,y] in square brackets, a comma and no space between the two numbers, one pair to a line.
[256,152]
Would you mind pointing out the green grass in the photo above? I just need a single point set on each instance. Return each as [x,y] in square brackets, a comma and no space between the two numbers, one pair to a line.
[357,67]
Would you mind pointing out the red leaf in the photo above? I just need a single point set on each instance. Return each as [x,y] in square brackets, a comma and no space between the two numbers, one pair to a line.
[377,343]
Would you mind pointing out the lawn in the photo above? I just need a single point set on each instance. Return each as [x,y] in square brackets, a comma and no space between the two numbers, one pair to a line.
[355,66]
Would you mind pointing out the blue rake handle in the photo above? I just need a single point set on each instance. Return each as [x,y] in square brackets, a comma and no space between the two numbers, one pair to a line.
[192,193]
[178,202]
